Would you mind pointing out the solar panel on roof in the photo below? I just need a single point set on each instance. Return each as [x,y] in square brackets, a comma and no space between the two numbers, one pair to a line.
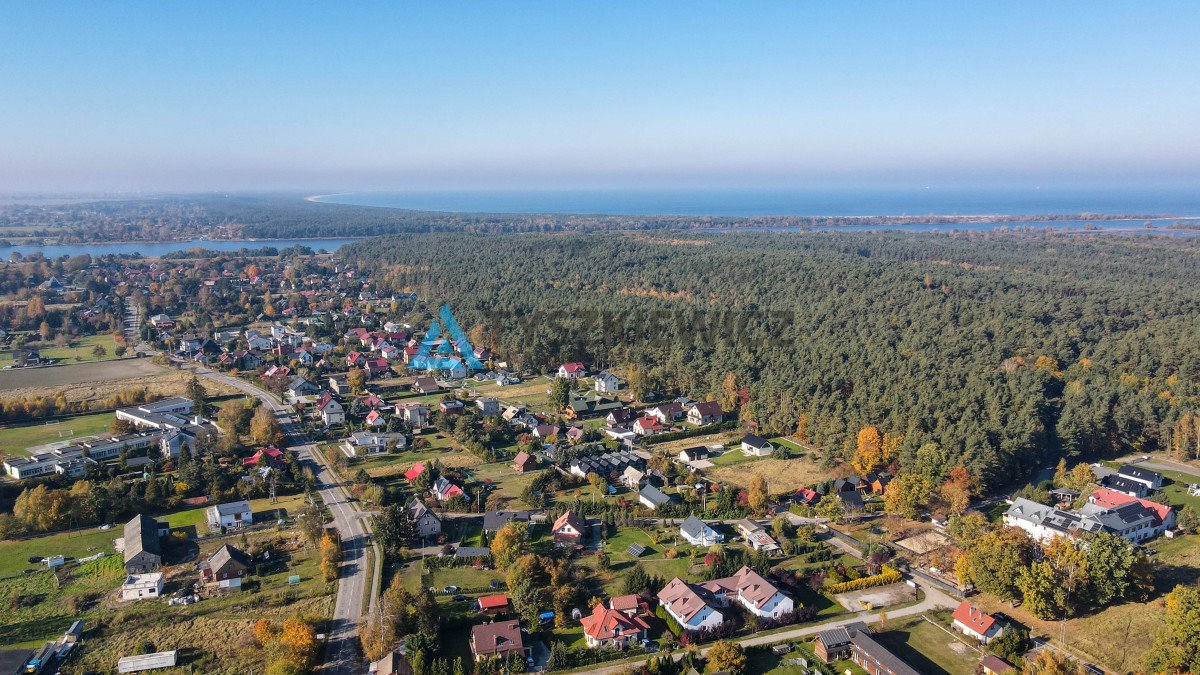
[635,550]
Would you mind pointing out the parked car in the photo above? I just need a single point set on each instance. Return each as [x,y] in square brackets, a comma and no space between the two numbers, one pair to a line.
[459,598]
[451,589]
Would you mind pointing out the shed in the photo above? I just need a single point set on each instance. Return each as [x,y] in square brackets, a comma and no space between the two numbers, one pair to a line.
[135,664]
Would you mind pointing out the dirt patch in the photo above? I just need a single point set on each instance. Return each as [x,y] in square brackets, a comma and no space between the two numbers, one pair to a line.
[95,381]
[875,598]
[784,475]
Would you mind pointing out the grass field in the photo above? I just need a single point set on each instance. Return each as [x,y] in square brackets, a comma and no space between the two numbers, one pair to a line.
[928,648]
[16,440]
[784,475]
[80,350]
[98,380]
[764,662]
[14,554]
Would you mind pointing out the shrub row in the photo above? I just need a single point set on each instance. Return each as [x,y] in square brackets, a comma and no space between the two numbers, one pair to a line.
[887,575]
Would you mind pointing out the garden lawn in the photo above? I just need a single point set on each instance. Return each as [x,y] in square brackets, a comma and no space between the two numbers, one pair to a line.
[928,648]
[14,554]
[16,440]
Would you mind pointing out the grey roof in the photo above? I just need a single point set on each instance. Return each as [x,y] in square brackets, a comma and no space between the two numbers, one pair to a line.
[1139,473]
[863,642]
[834,636]
[231,508]
[654,495]
[472,552]
[227,554]
[141,535]
[1123,484]
[494,520]
[693,526]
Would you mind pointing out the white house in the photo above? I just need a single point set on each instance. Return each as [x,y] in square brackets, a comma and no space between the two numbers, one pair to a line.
[692,607]
[975,623]
[606,383]
[232,515]
[142,586]
[698,533]
[488,405]
[371,443]
[748,588]
[756,446]
[330,410]
[425,522]
[1153,480]
[708,412]
[573,371]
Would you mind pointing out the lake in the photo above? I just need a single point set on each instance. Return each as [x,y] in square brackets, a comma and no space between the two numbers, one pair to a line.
[158,248]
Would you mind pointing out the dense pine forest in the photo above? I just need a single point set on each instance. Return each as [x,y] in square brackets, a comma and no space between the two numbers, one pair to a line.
[1005,352]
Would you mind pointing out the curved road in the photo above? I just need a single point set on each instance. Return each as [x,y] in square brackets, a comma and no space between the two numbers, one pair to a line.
[354,579]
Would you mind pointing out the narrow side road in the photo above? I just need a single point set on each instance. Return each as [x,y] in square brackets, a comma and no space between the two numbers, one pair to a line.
[354,577]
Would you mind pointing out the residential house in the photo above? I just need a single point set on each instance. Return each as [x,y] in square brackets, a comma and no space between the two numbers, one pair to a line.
[756,446]
[568,529]
[330,410]
[1153,480]
[425,522]
[1129,486]
[667,412]
[693,607]
[143,549]
[142,586]
[229,516]
[524,462]
[648,426]
[652,498]
[451,407]
[619,417]
[695,453]
[226,567]
[878,482]
[394,662]
[806,497]
[606,383]
[301,387]
[338,385]
[416,415]
[873,657]
[754,593]
[632,477]
[1110,499]
[572,371]
[362,443]
[757,538]
[443,489]
[268,456]
[975,623]
[606,627]
[375,419]
[500,639]
[991,664]
[706,413]
[494,520]
[1132,521]
[488,405]
[426,385]
[698,533]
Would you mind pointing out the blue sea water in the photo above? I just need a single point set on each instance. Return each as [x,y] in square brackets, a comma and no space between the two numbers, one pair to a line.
[918,201]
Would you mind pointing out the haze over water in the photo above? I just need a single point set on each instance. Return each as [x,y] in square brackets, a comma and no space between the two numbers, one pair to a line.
[812,202]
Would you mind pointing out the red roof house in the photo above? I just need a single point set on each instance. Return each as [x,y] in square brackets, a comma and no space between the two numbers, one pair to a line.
[974,622]
[493,604]
[606,626]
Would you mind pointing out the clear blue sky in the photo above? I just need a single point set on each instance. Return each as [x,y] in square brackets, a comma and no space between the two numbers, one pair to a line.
[248,95]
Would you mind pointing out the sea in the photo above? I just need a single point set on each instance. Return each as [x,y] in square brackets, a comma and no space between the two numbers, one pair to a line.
[1169,205]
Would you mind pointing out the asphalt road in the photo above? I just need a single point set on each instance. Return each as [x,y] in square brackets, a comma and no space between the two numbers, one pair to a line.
[354,576]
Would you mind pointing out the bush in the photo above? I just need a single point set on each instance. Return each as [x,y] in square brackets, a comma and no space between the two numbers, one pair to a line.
[887,575]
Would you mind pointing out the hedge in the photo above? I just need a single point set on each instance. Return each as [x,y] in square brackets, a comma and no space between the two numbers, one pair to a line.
[672,624]
[887,575]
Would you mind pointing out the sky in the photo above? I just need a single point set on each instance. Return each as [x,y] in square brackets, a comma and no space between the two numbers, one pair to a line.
[327,96]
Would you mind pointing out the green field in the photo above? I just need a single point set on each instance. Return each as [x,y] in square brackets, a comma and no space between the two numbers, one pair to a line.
[762,661]
[928,648]
[14,554]
[80,349]
[16,440]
